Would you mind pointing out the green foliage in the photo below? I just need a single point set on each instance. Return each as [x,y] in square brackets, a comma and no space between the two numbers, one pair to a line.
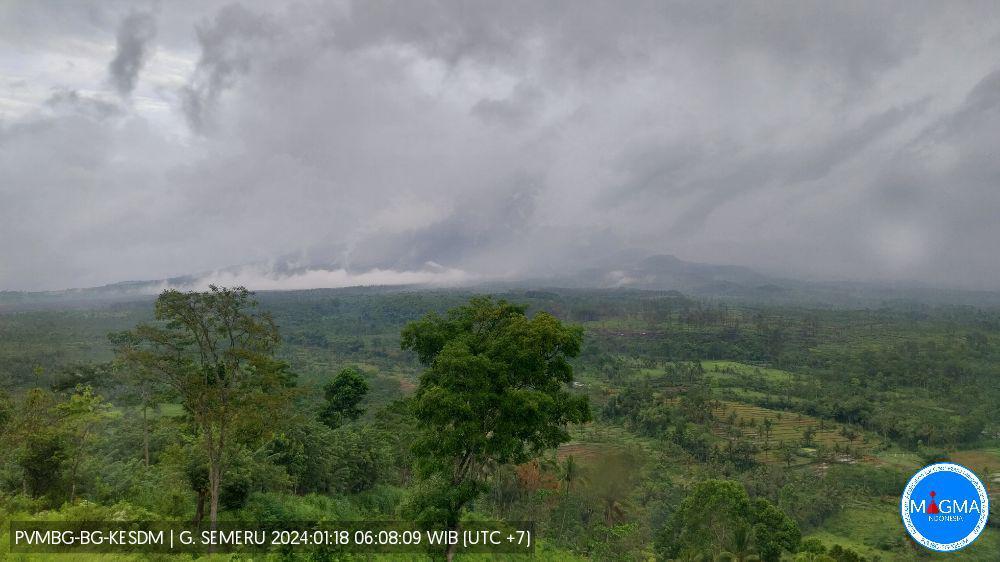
[718,515]
[841,554]
[41,458]
[434,500]
[618,542]
[304,451]
[276,507]
[884,389]
[217,354]
[363,458]
[6,413]
[349,459]
[89,511]
[707,518]
[492,393]
[79,419]
[52,441]
[343,396]
[773,531]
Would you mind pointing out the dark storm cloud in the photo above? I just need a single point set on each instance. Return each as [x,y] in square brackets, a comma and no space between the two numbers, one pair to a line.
[331,143]
[946,184]
[852,40]
[134,35]
[228,43]
[794,166]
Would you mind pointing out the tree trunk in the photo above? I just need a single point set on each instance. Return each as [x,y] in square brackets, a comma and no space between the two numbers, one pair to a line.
[72,482]
[199,513]
[213,450]
[449,553]
[145,436]
[214,477]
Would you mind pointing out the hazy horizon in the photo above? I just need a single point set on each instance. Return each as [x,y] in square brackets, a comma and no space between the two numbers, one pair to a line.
[447,143]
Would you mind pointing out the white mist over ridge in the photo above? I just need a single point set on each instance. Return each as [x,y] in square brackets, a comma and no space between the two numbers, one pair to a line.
[269,279]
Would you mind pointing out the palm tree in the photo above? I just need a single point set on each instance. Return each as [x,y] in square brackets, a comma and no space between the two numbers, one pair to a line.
[612,485]
[739,548]
[569,473]
[768,427]
[787,453]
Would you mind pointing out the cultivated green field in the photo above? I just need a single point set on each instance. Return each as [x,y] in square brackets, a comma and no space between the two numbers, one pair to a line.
[823,413]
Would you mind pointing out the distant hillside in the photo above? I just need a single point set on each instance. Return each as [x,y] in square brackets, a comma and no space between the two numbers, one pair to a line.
[666,272]
[669,272]
[656,273]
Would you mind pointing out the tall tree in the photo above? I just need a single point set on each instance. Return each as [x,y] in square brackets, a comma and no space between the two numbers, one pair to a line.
[215,350]
[79,418]
[493,392]
[569,473]
[145,389]
[343,396]
[38,447]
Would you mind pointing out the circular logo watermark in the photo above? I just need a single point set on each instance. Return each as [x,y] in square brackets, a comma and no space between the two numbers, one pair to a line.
[945,507]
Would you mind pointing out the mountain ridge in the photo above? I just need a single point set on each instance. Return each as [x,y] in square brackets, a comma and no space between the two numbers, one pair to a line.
[658,272]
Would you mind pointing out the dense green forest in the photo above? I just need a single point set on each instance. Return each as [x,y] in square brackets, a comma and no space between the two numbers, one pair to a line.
[634,425]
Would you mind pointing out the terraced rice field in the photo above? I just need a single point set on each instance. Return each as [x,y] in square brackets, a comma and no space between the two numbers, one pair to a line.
[728,369]
[788,428]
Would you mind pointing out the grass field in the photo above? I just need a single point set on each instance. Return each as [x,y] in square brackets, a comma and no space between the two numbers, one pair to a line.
[732,371]
[874,528]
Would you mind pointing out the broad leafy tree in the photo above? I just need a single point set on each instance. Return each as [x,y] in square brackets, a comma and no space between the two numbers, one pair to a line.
[343,398]
[494,392]
[215,351]
[773,531]
[719,516]
[36,444]
[79,419]
[143,388]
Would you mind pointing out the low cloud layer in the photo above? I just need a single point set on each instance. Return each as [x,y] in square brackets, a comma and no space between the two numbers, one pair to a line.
[264,279]
[362,140]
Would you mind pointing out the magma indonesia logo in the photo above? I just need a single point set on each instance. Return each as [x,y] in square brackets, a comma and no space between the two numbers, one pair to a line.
[945,507]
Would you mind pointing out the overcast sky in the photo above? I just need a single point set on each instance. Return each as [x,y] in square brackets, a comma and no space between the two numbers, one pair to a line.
[445,142]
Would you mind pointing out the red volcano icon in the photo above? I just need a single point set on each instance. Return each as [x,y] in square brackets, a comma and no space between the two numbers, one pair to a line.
[933,508]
